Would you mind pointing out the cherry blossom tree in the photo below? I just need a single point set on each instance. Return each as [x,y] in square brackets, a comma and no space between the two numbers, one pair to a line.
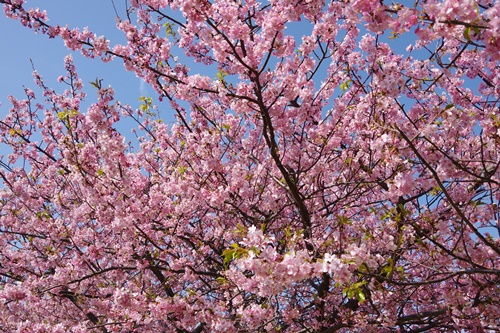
[320,179]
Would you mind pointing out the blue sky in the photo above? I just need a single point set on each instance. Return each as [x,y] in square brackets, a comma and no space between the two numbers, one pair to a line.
[20,44]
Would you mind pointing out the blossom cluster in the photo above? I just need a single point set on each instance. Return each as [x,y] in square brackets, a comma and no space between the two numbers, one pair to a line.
[323,179]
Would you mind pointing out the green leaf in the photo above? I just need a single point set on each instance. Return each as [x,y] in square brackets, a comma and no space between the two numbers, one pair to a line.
[467,33]
[45,215]
[354,290]
[146,105]
[389,214]
[221,75]
[496,120]
[361,296]
[241,230]
[363,268]
[15,131]
[344,86]
[386,271]
[62,115]
[97,83]
[234,252]
[222,280]
[394,35]
[169,29]
[182,169]
[344,220]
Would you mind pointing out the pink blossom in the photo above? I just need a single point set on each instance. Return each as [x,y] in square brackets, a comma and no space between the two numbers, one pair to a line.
[316,174]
